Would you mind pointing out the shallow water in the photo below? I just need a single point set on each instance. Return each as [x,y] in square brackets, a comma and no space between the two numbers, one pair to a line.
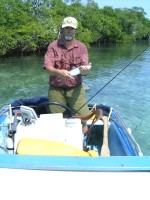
[120,76]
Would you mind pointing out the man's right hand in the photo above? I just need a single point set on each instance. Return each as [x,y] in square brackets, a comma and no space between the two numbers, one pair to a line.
[64,74]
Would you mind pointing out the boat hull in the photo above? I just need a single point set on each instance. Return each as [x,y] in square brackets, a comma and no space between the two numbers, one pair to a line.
[71,163]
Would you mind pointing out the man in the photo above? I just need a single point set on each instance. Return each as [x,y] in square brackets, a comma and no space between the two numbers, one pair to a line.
[62,56]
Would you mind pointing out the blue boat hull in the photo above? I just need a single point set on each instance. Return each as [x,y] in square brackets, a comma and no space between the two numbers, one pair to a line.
[71,163]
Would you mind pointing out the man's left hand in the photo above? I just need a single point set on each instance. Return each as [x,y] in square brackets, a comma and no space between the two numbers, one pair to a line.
[84,69]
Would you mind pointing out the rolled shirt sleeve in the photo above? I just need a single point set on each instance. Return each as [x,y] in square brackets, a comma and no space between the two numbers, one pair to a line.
[49,57]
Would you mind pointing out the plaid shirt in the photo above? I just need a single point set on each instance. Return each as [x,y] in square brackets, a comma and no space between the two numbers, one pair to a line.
[59,57]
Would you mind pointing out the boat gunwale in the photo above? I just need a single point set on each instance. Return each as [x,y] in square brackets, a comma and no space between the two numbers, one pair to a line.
[75,163]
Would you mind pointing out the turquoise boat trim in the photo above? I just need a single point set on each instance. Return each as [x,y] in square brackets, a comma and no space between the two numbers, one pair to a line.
[87,164]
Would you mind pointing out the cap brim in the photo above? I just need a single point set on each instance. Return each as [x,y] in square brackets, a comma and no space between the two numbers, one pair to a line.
[69,25]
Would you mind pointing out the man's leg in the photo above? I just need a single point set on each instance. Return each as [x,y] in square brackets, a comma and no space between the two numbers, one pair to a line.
[56,94]
[76,98]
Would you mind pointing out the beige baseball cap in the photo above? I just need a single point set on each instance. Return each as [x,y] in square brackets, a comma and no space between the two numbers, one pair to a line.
[69,21]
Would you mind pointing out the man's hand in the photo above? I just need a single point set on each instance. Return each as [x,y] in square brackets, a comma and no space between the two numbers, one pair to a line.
[64,74]
[84,69]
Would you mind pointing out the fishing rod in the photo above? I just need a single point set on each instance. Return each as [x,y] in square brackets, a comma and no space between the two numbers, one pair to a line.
[113,78]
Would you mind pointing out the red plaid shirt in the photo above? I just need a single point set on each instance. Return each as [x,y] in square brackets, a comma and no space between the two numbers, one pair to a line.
[59,57]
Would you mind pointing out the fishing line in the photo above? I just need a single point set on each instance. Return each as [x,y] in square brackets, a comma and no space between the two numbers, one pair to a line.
[113,78]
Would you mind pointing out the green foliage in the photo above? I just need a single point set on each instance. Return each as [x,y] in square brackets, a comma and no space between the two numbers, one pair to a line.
[30,25]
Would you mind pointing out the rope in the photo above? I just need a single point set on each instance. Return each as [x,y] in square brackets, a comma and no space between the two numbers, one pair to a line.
[93,108]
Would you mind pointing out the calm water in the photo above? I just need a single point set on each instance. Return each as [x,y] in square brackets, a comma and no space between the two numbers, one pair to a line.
[128,93]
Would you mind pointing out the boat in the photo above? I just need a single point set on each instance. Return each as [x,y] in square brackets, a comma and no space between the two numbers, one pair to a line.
[31,137]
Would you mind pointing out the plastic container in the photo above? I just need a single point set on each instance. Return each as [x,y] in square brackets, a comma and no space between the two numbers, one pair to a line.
[52,127]
[47,127]
[73,133]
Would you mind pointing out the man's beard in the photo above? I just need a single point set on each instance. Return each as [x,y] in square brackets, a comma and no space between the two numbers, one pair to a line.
[68,38]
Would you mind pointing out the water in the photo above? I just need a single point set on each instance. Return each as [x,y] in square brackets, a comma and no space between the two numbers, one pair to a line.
[128,93]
